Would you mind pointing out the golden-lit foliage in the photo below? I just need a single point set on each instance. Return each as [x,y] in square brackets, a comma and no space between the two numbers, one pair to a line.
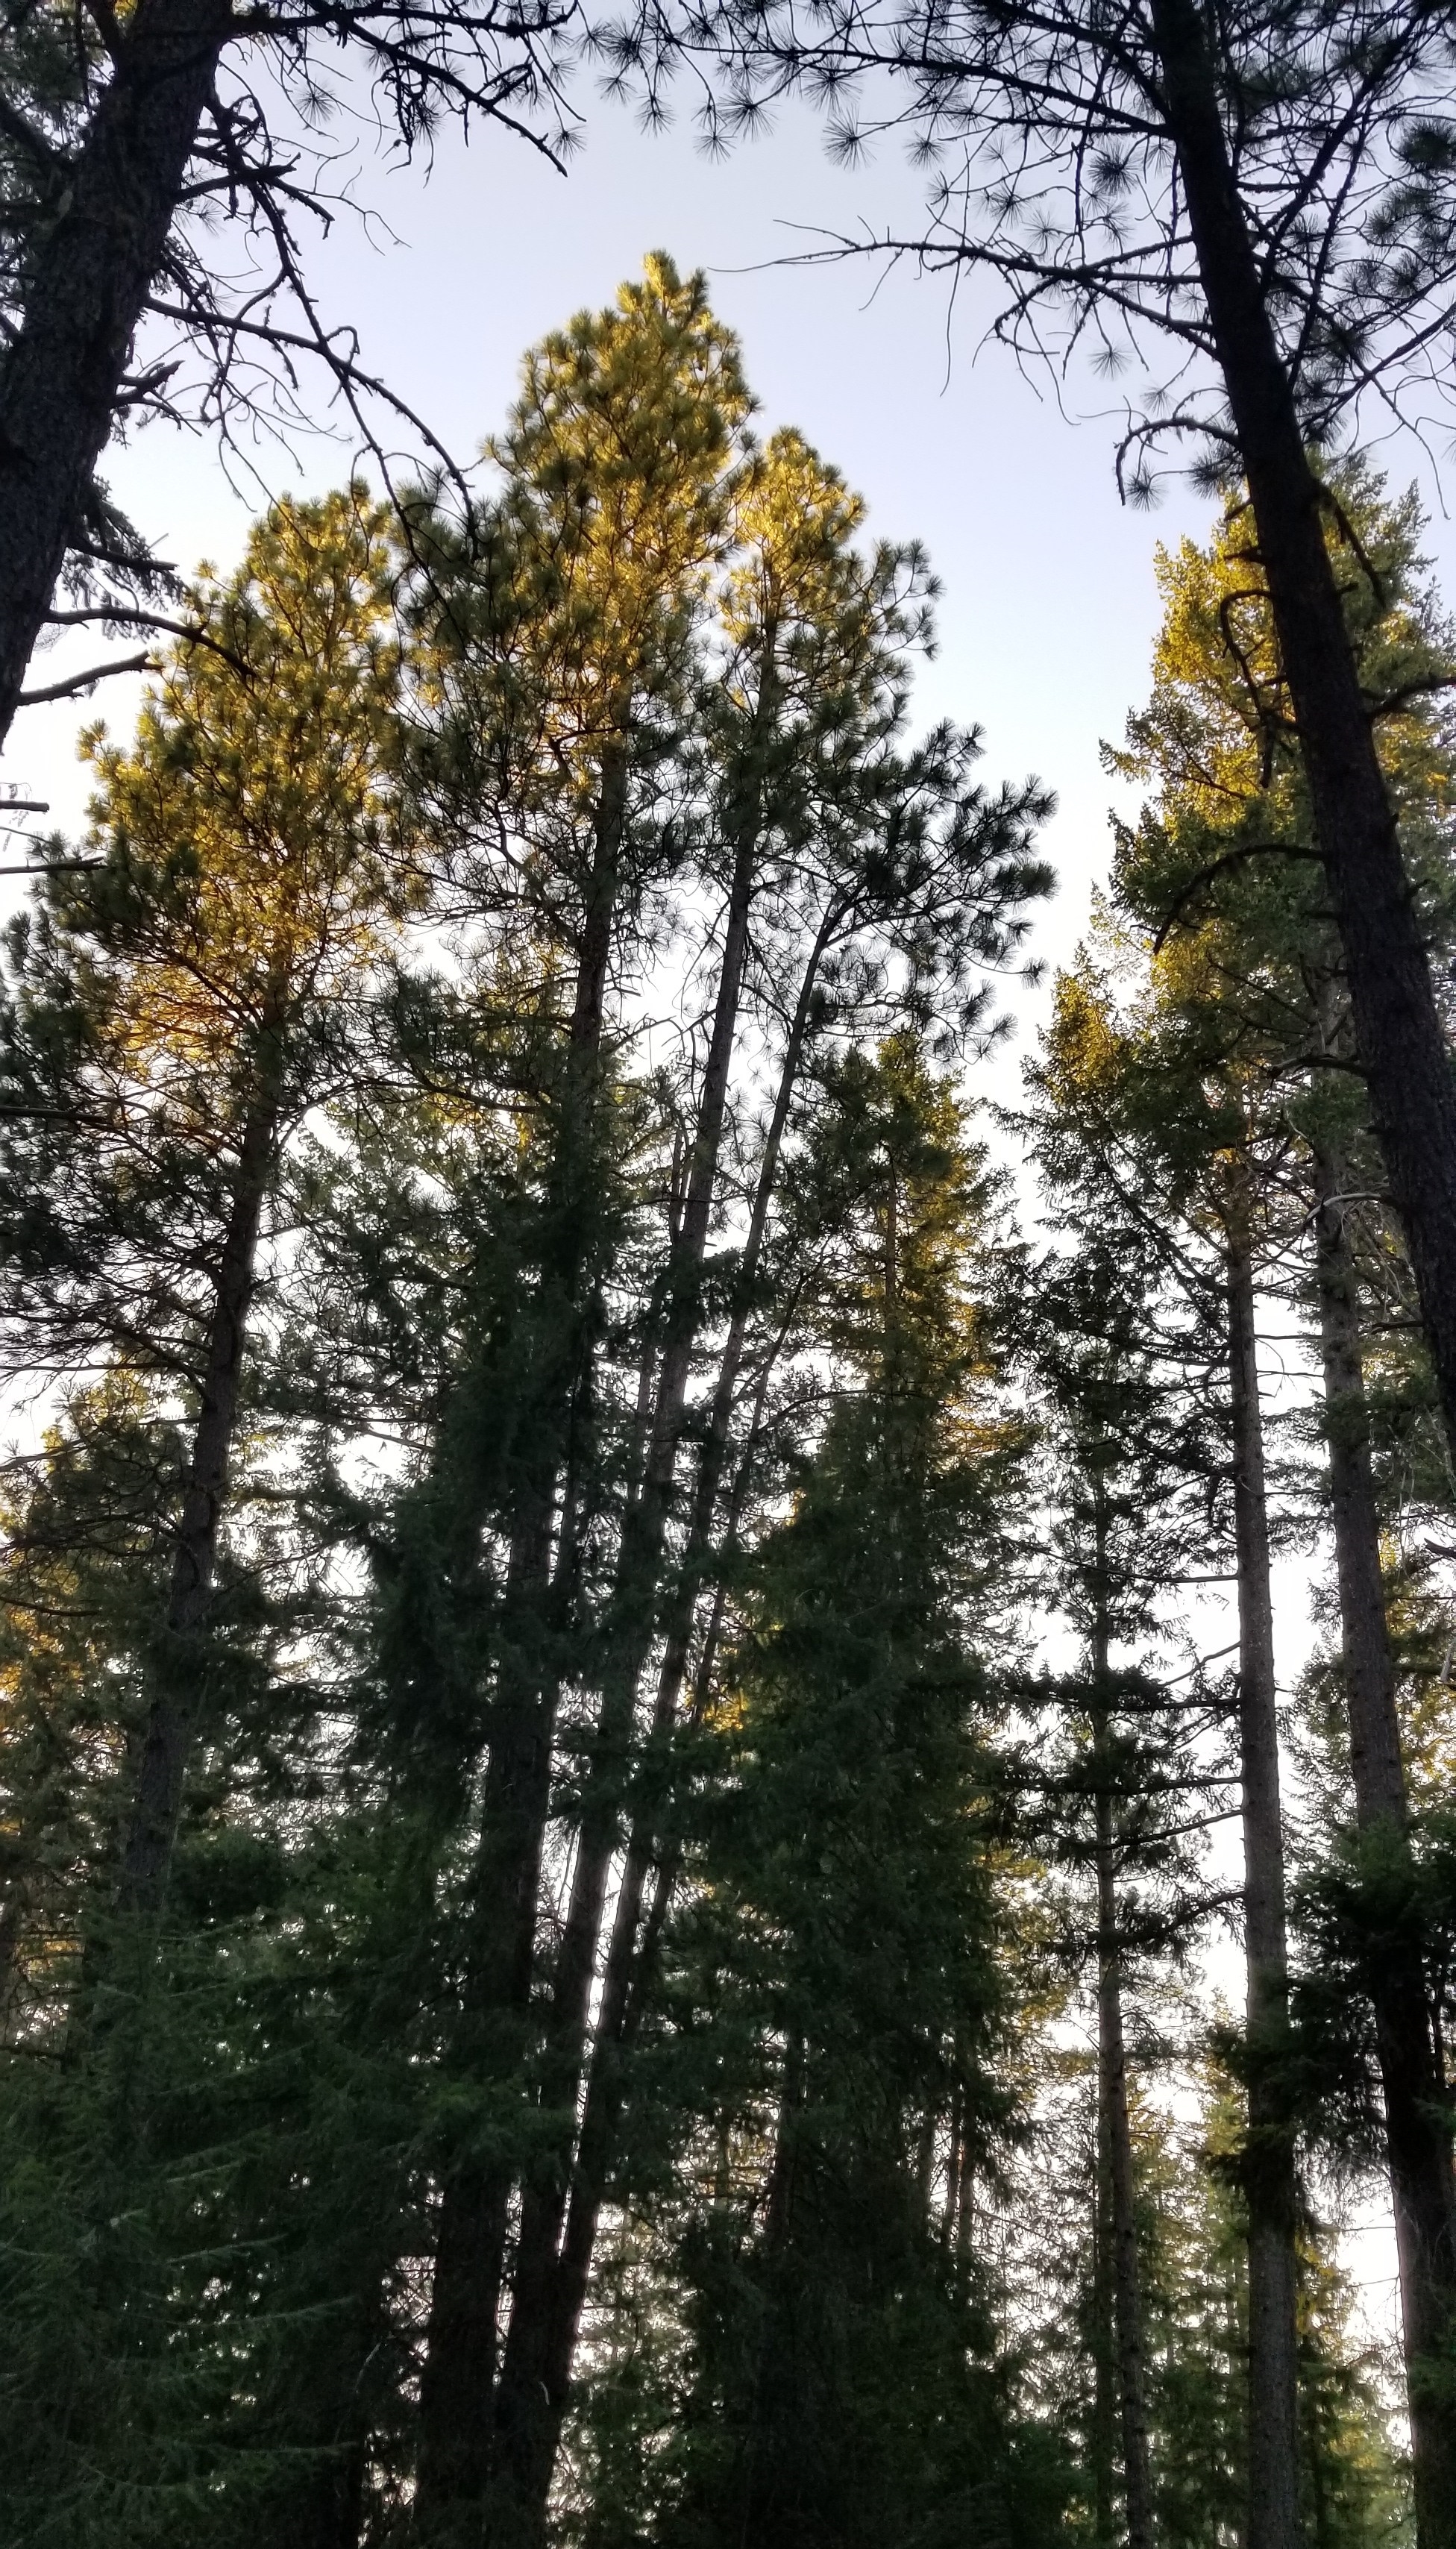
[623,455]
[250,864]
[1221,872]
[1218,729]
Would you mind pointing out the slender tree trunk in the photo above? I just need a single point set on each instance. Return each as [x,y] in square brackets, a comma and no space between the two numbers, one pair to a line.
[721,1414]
[1116,2124]
[1126,2283]
[457,2377]
[966,2181]
[1273,2462]
[94,265]
[530,2404]
[180,1664]
[1104,2338]
[560,2275]
[1418,2134]
[556,2269]
[1397,1030]
[670,1868]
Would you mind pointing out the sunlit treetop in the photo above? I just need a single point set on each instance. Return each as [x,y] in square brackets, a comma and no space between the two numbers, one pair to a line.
[250,861]
[842,618]
[622,463]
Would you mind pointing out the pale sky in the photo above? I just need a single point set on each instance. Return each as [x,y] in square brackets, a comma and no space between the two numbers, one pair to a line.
[1049,606]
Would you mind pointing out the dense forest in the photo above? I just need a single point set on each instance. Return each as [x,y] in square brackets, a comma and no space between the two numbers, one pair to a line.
[654,1884]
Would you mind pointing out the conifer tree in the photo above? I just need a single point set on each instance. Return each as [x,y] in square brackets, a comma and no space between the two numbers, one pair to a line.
[809,700]
[1129,1475]
[193,986]
[1155,1099]
[840,1914]
[1211,184]
[1222,868]
[205,981]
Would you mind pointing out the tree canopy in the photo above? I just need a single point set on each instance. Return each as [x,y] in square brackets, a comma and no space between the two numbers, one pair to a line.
[656,1884]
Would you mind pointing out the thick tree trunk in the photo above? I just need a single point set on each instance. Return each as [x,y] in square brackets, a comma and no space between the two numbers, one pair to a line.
[459,2365]
[1117,2127]
[179,1666]
[84,297]
[1397,1029]
[1269,2176]
[1418,2136]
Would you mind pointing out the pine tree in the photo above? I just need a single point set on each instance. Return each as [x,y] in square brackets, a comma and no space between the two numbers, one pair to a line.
[1222,867]
[839,1930]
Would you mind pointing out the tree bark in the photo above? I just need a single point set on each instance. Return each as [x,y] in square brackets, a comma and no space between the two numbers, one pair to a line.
[1418,2133]
[715,1441]
[531,2393]
[1115,2126]
[458,2374]
[1399,1037]
[459,2367]
[1269,2171]
[179,1666]
[84,297]
[1103,2437]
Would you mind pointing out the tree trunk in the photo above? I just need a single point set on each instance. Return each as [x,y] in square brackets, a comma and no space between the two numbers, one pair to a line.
[1103,2437]
[531,2396]
[180,1663]
[94,267]
[1269,2174]
[721,1414]
[1398,1031]
[458,2374]
[1418,2136]
[1116,2125]
[560,2282]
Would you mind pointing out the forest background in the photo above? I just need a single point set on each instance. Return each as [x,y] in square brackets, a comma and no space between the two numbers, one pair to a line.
[1049,606]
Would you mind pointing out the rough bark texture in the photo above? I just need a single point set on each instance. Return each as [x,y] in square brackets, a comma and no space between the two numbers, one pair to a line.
[1398,1028]
[1418,2134]
[1269,2174]
[83,300]
[179,1664]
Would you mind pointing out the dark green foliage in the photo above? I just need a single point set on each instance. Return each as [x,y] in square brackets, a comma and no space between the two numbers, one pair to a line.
[657,1465]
